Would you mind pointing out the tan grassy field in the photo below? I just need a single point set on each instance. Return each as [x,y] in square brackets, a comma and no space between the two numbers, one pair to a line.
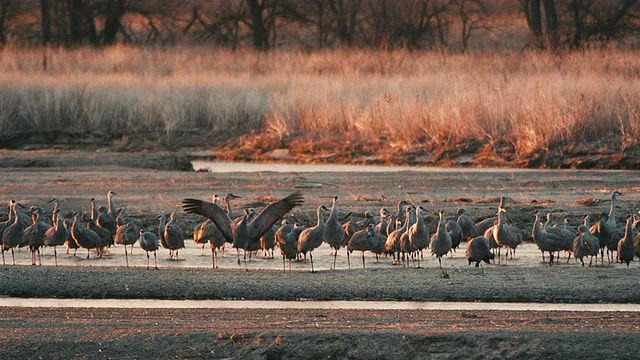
[337,106]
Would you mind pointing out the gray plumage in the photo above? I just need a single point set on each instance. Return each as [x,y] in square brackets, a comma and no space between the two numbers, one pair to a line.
[57,235]
[625,245]
[246,232]
[362,240]
[287,241]
[482,226]
[604,232]
[381,227]
[149,242]
[392,244]
[455,232]
[585,244]
[85,238]
[419,232]
[550,242]
[467,226]
[334,233]
[440,242]
[173,236]
[127,234]
[12,235]
[34,234]
[478,250]
[507,235]
[311,238]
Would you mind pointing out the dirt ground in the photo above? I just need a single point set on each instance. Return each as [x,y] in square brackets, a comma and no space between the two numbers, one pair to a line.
[147,185]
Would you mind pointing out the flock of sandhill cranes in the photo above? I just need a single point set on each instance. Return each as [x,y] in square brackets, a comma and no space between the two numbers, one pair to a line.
[402,234]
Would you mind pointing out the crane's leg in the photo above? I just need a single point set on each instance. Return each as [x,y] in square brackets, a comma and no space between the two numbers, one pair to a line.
[155,260]
[55,255]
[311,257]
[147,260]
[126,257]
[362,261]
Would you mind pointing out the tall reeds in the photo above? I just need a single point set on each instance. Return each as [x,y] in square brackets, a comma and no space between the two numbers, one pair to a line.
[532,101]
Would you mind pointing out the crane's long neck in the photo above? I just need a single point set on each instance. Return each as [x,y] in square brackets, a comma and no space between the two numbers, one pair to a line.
[162,224]
[334,212]
[227,205]
[612,210]
[94,211]
[536,232]
[111,205]
[16,215]
[628,231]
[320,218]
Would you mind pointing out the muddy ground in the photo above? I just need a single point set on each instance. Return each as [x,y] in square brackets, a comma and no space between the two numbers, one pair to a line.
[147,188]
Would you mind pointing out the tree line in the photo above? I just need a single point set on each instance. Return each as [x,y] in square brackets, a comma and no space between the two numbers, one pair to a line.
[314,24]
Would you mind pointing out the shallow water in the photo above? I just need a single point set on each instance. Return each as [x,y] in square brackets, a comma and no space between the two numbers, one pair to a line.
[339,305]
[222,167]
[527,255]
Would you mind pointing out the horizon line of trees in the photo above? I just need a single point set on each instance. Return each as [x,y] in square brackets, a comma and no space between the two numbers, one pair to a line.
[268,24]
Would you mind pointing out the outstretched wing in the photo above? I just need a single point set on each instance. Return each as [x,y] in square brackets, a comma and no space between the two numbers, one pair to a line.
[213,212]
[274,213]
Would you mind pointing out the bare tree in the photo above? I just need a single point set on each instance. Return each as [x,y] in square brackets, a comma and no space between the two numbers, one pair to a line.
[588,20]
[474,15]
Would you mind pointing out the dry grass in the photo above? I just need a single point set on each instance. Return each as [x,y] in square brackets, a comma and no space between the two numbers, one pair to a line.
[403,100]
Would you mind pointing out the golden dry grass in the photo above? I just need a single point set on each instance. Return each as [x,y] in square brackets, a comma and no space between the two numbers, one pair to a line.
[531,101]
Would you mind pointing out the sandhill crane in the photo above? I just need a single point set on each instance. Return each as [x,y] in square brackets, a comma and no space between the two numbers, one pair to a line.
[482,226]
[202,232]
[85,238]
[173,236]
[105,220]
[455,232]
[161,225]
[149,243]
[418,232]
[245,231]
[287,240]
[12,235]
[312,237]
[478,250]
[467,226]
[57,235]
[507,235]
[334,233]
[391,227]
[378,248]
[209,232]
[381,226]
[392,244]
[111,206]
[565,236]
[127,234]
[104,234]
[350,227]
[440,243]
[546,241]
[585,244]
[362,240]
[401,213]
[268,242]
[94,209]
[34,234]
[9,221]
[604,232]
[625,245]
